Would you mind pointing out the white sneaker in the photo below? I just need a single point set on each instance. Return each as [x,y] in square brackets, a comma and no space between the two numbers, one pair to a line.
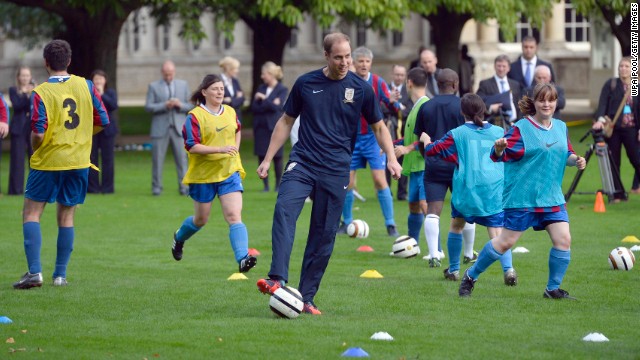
[440,256]
[59,281]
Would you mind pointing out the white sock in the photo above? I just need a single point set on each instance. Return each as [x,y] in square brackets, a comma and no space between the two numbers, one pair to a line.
[432,232]
[468,238]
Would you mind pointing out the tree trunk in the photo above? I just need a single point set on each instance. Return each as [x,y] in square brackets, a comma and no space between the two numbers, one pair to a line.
[446,27]
[269,40]
[622,31]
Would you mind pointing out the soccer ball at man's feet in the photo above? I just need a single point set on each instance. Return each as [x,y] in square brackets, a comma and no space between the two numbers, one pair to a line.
[286,302]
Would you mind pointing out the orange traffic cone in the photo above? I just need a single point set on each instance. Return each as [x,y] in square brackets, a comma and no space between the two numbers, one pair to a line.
[599,205]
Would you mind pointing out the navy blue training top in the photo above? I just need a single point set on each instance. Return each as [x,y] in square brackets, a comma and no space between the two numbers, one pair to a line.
[329,118]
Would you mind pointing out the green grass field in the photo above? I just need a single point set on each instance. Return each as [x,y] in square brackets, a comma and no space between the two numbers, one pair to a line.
[128,299]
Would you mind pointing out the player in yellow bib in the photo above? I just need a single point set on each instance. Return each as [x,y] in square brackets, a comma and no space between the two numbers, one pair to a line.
[212,137]
[65,113]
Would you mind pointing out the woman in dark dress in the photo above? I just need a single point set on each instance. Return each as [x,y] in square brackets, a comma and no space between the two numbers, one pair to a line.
[20,129]
[104,142]
[267,108]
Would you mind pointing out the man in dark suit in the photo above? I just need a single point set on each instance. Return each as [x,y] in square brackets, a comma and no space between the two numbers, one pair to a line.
[168,102]
[395,121]
[429,61]
[542,75]
[499,84]
[522,70]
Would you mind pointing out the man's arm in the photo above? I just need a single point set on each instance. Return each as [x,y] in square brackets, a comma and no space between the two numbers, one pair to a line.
[278,137]
[154,105]
[386,144]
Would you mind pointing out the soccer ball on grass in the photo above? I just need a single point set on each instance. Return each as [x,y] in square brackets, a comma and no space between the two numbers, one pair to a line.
[358,229]
[286,302]
[621,258]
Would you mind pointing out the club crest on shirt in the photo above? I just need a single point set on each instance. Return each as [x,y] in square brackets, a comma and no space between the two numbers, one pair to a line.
[291,166]
[348,95]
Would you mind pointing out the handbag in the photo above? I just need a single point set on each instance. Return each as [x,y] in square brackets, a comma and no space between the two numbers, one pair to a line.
[609,124]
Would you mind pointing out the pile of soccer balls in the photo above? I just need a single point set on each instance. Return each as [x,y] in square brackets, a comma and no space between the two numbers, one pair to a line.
[621,258]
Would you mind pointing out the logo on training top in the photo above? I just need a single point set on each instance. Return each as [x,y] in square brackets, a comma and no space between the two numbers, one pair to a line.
[348,95]
[291,166]
[550,145]
[220,129]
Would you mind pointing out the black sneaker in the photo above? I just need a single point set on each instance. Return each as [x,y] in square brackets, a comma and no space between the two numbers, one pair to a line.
[247,263]
[557,294]
[176,249]
[28,281]
[511,277]
[342,230]
[391,230]
[466,285]
[453,276]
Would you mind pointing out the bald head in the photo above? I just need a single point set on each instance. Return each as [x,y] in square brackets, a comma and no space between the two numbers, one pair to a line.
[542,74]
[168,71]
[447,81]
[428,61]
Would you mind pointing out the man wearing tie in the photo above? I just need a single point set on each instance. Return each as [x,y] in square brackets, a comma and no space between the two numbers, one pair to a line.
[498,84]
[522,70]
[168,102]
[428,61]
[395,120]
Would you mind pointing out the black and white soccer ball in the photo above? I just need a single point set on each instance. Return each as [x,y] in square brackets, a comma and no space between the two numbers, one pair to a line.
[405,247]
[358,229]
[286,302]
[621,258]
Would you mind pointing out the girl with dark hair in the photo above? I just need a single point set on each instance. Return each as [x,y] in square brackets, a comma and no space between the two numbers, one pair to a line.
[535,152]
[212,137]
[477,182]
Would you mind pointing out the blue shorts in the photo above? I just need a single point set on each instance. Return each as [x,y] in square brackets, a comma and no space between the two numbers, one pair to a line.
[436,190]
[416,186]
[518,220]
[205,193]
[494,221]
[67,187]
[368,150]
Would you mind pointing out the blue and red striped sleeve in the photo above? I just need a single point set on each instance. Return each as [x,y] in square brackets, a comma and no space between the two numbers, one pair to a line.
[4,110]
[191,132]
[571,151]
[444,148]
[39,121]
[515,147]
[100,116]
[383,95]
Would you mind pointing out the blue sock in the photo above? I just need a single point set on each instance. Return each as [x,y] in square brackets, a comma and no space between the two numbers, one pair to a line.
[386,204]
[32,244]
[239,239]
[65,247]
[558,264]
[187,229]
[487,256]
[454,246]
[347,208]
[506,260]
[415,225]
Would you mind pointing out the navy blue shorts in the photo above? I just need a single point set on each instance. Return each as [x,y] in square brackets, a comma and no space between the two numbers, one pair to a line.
[67,187]
[205,193]
[519,220]
[494,221]
[436,190]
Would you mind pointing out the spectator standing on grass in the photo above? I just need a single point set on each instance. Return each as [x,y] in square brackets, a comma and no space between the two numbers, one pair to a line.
[477,182]
[66,112]
[212,138]
[233,94]
[267,108]
[615,94]
[4,123]
[168,102]
[330,102]
[396,120]
[104,142]
[20,129]
[535,152]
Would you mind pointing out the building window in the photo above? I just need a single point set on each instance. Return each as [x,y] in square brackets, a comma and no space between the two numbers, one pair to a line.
[293,38]
[523,28]
[397,38]
[166,35]
[139,28]
[361,33]
[576,26]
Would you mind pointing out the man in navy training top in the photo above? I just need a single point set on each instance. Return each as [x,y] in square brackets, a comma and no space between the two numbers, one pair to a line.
[329,102]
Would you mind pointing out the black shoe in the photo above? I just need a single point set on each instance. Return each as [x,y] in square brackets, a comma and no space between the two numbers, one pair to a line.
[391,230]
[342,230]
[176,249]
[247,264]
[557,294]
[466,285]
[28,281]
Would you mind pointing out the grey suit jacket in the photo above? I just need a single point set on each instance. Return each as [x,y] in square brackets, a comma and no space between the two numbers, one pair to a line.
[163,119]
